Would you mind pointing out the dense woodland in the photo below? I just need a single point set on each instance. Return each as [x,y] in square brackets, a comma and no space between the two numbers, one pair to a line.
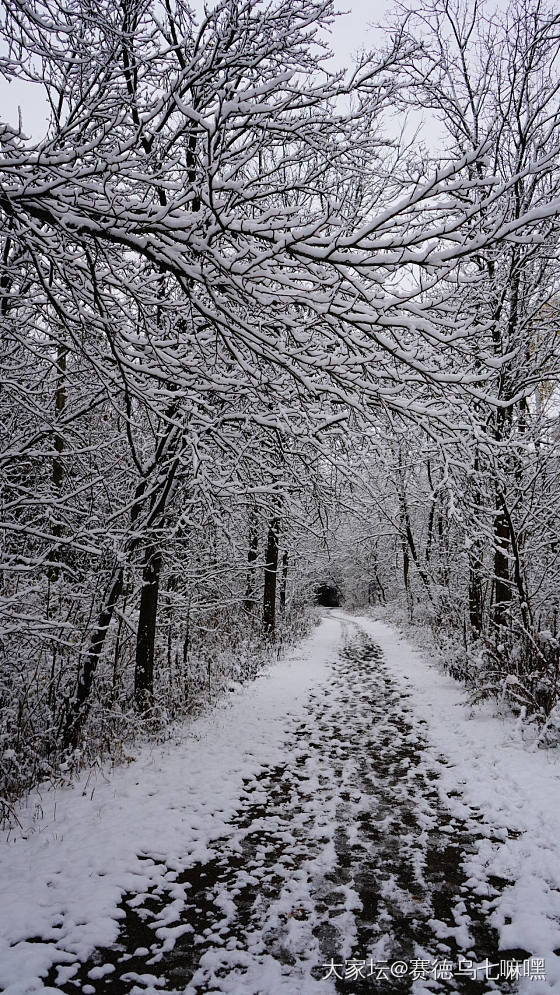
[267,325]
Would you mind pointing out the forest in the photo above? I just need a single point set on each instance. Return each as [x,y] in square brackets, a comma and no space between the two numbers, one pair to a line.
[266,326]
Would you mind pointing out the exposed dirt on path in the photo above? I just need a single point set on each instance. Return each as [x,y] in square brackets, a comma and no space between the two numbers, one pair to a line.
[345,859]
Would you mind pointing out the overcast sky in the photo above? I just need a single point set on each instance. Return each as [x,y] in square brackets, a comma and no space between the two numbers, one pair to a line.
[353,29]
[351,33]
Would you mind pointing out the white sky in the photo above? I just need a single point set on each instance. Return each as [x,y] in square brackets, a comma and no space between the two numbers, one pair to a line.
[351,33]
[354,29]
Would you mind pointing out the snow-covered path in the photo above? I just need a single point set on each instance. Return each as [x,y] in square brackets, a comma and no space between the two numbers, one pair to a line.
[340,816]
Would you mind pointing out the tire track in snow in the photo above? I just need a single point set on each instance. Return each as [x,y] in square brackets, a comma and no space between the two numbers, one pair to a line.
[345,851]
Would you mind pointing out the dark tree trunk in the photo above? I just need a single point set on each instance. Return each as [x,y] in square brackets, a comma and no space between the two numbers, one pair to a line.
[147,616]
[284,581]
[80,706]
[501,528]
[252,554]
[410,546]
[476,599]
[443,536]
[57,466]
[524,602]
[379,590]
[146,633]
[406,565]
[502,545]
[430,531]
[270,575]
[476,562]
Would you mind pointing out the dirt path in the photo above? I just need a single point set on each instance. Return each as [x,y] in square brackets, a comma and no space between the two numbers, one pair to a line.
[343,860]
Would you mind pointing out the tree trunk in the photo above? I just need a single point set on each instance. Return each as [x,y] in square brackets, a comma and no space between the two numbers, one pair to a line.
[284,581]
[502,544]
[252,554]
[410,545]
[146,633]
[79,708]
[406,565]
[270,575]
[476,599]
[57,467]
[476,560]
[524,602]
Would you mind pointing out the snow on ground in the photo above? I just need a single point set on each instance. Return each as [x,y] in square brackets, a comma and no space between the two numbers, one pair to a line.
[517,790]
[318,802]
[63,883]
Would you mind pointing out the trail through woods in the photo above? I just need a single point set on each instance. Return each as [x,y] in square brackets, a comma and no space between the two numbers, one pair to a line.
[342,814]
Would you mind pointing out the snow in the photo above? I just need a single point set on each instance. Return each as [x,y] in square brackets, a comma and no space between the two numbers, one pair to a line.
[124,831]
[482,755]
[64,881]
